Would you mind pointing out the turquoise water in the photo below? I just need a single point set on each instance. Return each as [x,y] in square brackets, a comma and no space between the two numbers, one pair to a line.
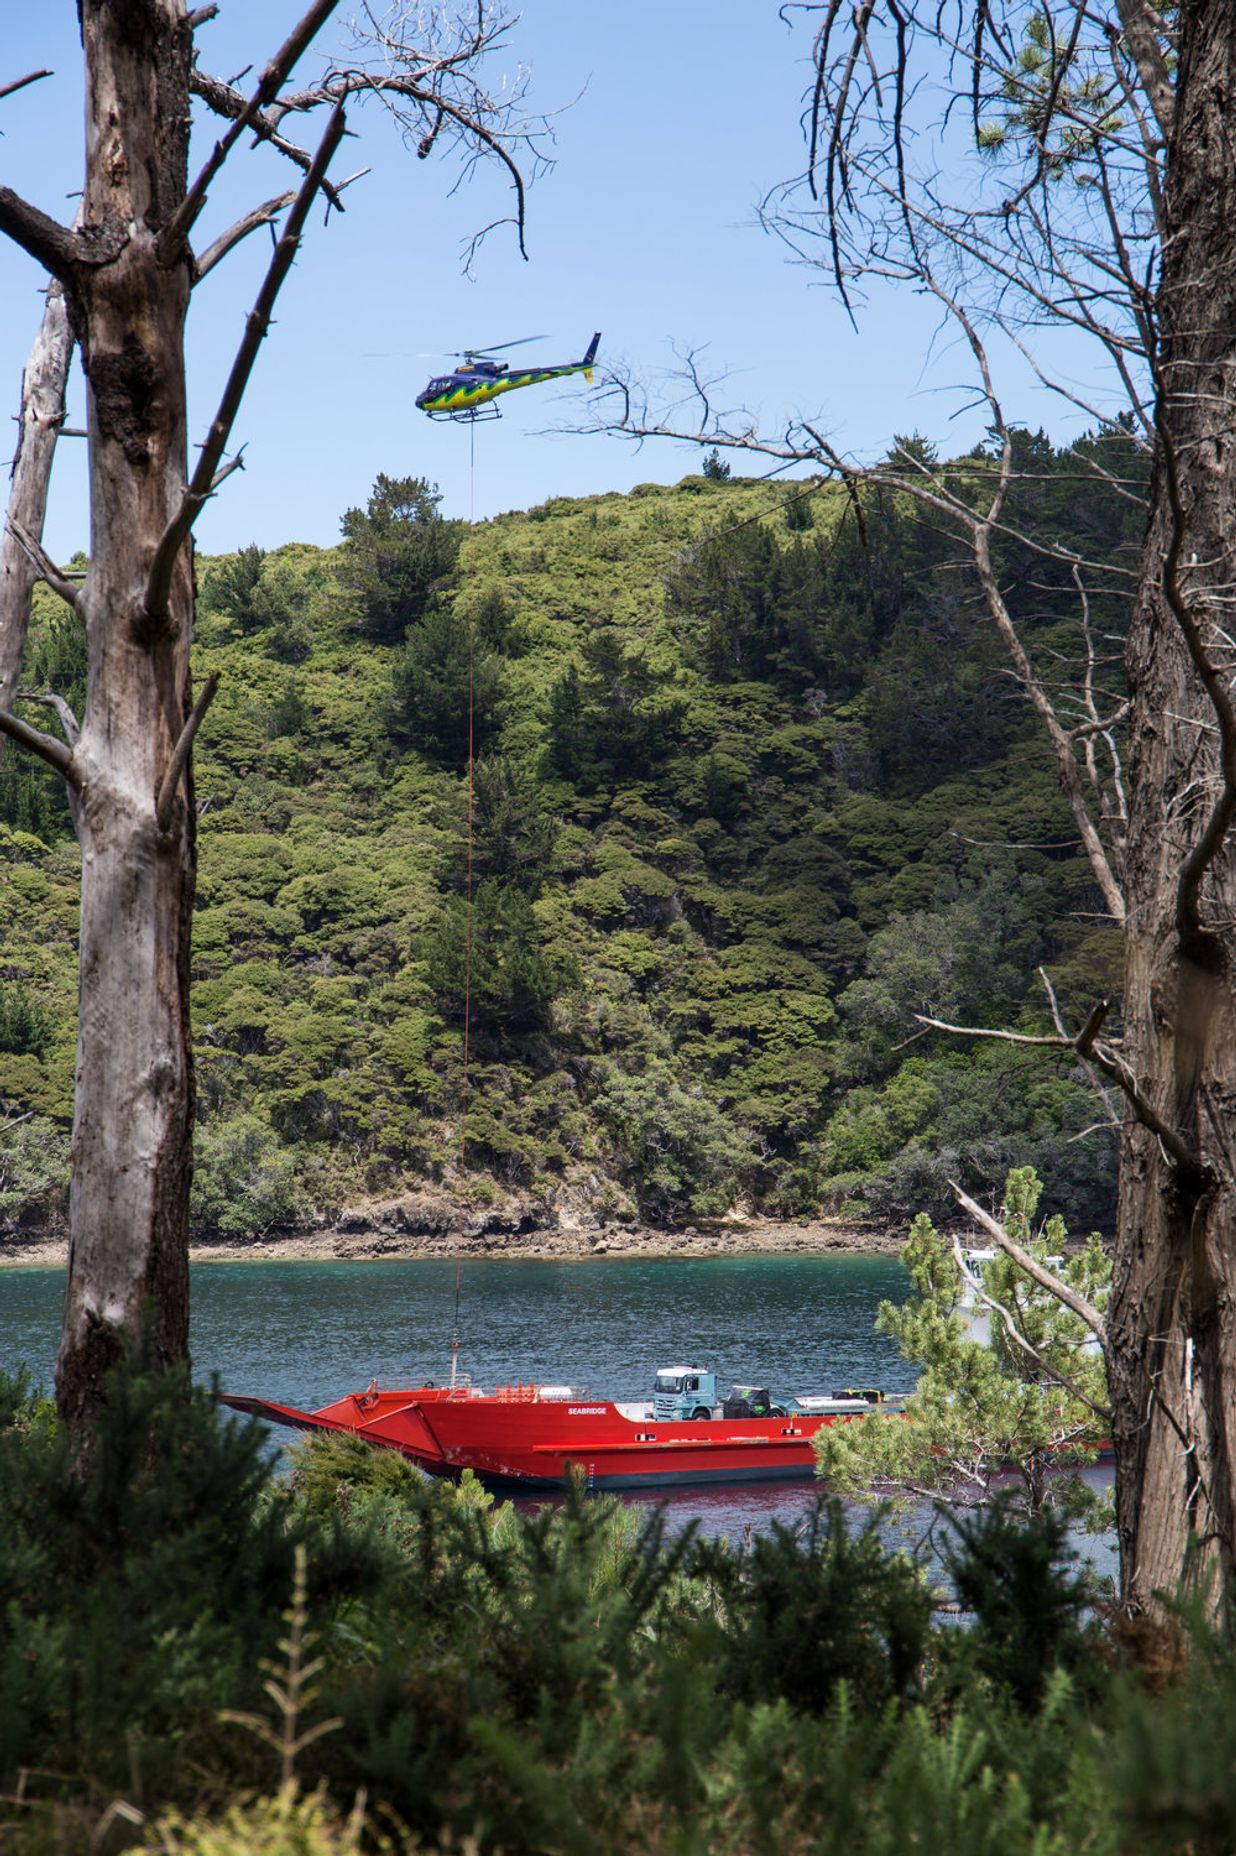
[304,1333]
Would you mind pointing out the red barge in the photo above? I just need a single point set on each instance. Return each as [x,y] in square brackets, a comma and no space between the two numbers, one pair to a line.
[535,1435]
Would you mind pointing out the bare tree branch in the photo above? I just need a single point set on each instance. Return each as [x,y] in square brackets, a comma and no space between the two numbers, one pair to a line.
[1004,1037]
[50,700]
[199,490]
[19,83]
[54,752]
[225,470]
[42,561]
[39,421]
[175,233]
[1106,1059]
[1038,1272]
[263,215]
[230,104]
[52,245]
[181,752]
[1113,1119]
[266,215]
[426,82]
[1019,1340]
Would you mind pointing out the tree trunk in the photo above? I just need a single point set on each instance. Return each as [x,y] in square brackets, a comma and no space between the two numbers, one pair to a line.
[1173,1312]
[38,427]
[128,1258]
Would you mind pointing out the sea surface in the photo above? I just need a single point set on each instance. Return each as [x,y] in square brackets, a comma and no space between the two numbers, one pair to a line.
[304,1333]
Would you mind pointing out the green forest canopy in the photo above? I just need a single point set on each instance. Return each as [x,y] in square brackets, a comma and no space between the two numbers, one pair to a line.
[753,786]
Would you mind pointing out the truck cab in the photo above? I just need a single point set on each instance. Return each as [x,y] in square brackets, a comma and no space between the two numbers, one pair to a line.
[684,1392]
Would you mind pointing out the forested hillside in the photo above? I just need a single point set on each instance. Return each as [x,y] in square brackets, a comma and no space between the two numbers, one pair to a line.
[752,786]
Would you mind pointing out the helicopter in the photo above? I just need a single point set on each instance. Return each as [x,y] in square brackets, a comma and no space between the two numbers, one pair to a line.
[481,379]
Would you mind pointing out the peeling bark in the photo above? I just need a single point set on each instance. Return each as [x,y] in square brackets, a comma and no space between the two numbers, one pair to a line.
[128,1259]
[38,427]
[125,270]
[1173,1310]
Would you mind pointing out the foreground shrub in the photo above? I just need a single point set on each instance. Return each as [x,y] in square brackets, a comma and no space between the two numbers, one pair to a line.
[137,1594]
[456,1674]
[804,1609]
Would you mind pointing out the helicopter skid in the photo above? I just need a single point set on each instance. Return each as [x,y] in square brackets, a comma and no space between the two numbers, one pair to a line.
[474,415]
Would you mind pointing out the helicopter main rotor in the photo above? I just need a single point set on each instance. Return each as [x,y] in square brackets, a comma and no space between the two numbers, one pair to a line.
[479,354]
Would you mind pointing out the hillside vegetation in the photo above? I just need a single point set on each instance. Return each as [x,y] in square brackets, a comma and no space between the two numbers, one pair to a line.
[752,786]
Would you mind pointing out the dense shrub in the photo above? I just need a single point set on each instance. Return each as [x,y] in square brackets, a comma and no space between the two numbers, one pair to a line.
[315,1664]
[140,1585]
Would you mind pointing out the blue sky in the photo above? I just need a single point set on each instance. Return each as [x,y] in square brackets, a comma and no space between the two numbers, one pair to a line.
[672,121]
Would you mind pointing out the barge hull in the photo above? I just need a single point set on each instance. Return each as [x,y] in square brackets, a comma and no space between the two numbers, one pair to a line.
[519,1443]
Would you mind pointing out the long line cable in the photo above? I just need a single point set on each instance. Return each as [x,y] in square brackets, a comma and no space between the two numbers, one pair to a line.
[470,589]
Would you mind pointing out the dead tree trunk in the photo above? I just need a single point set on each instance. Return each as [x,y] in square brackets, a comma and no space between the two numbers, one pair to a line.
[126,270]
[1173,1311]
[133,1123]
[38,427]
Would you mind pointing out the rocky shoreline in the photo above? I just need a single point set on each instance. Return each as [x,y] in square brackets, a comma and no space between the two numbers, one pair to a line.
[417,1227]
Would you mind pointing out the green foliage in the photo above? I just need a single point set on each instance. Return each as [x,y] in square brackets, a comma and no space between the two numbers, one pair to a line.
[747,795]
[446,686]
[984,1407]
[797,512]
[513,980]
[1030,1610]
[32,794]
[289,714]
[806,1608]
[24,1025]
[511,1683]
[329,1472]
[266,597]
[741,597]
[244,1181]
[57,655]
[1052,101]
[34,1172]
[674,1150]
[137,1586]
[613,721]
[714,468]
[396,551]
[288,1824]
[234,587]
[457,1674]
[514,832]
[1171,1777]
[32,799]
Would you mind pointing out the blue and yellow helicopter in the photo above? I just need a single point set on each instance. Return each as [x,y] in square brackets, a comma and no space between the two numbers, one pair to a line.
[480,380]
